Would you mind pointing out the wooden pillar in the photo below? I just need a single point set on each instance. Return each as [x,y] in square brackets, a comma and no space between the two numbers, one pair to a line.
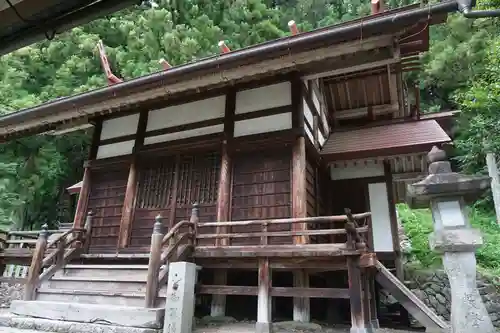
[491,163]
[128,206]
[264,324]
[358,321]
[83,196]
[83,199]
[301,306]
[391,201]
[218,306]
[131,189]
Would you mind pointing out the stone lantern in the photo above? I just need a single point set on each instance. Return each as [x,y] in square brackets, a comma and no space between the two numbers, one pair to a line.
[447,193]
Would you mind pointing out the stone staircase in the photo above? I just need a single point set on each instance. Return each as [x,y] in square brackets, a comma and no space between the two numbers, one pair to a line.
[93,298]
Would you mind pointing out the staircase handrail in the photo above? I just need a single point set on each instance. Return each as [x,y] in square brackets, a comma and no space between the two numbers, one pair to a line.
[159,256]
[68,245]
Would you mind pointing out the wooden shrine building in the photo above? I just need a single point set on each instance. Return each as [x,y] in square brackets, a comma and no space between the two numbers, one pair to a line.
[272,142]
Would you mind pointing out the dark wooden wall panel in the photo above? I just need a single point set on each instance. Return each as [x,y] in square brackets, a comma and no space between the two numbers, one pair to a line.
[107,193]
[261,189]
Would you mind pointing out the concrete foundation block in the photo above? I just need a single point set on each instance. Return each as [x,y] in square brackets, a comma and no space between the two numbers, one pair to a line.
[90,313]
[12,323]
[263,327]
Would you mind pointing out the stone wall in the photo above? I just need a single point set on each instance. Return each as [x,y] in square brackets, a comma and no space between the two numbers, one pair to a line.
[10,292]
[433,288]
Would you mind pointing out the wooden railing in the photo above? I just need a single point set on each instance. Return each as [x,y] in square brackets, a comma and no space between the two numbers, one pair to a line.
[176,245]
[357,223]
[47,254]
[181,240]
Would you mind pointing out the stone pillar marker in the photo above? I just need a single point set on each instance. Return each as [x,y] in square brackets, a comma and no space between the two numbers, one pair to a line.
[446,193]
[179,307]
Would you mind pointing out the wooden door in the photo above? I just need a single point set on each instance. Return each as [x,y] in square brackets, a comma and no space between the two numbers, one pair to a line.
[107,192]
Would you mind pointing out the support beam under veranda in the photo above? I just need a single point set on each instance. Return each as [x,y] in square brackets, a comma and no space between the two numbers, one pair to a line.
[359,297]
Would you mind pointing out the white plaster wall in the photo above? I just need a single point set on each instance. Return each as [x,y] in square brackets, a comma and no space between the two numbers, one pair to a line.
[381,220]
[116,127]
[309,135]
[358,170]
[315,100]
[308,116]
[262,98]
[321,138]
[266,124]
[115,149]
[184,134]
[187,113]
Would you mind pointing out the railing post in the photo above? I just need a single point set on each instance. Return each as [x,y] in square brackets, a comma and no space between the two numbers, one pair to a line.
[88,231]
[195,218]
[154,264]
[36,264]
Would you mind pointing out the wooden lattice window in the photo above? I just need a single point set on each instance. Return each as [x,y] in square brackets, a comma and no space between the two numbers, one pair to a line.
[194,178]
[155,187]
[198,179]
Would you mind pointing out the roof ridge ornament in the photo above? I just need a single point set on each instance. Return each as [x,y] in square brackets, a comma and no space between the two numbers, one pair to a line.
[223,47]
[292,26]
[112,78]
[164,64]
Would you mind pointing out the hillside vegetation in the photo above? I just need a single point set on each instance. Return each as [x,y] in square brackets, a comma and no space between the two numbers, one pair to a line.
[461,71]
[417,224]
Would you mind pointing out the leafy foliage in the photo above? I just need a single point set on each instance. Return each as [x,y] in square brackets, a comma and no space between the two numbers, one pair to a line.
[418,225]
[460,71]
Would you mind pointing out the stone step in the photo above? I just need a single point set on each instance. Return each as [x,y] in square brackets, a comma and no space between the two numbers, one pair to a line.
[17,330]
[90,313]
[94,297]
[24,324]
[117,272]
[102,284]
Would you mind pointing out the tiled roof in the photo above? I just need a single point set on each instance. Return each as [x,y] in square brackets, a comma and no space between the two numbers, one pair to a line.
[401,138]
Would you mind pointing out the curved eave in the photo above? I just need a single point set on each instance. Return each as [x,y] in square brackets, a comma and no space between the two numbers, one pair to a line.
[91,103]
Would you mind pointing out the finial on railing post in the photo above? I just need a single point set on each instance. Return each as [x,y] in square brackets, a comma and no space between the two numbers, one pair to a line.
[195,218]
[154,263]
[158,226]
[292,26]
[88,220]
[44,233]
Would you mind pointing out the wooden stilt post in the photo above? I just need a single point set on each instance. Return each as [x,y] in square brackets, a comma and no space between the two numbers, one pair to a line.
[154,264]
[218,307]
[301,305]
[365,300]
[36,265]
[264,324]
[358,322]
[373,291]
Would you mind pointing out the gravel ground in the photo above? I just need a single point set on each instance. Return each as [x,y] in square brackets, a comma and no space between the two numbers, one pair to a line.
[285,327]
